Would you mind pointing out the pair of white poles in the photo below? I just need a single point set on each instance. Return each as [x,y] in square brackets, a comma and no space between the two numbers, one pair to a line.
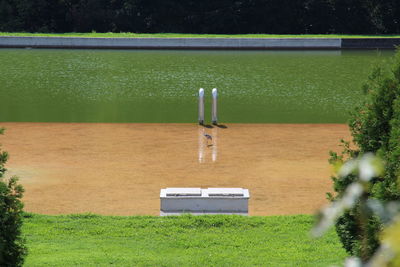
[214,117]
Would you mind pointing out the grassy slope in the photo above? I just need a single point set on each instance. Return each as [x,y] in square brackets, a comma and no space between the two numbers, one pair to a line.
[92,240]
[187,35]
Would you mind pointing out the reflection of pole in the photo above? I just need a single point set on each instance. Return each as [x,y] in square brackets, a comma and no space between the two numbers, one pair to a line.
[202,145]
[214,115]
[201,106]
[215,144]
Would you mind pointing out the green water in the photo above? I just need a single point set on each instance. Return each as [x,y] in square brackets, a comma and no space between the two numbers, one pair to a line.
[49,85]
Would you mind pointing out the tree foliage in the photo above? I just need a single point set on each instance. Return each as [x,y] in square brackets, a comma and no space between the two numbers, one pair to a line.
[12,248]
[207,16]
[375,127]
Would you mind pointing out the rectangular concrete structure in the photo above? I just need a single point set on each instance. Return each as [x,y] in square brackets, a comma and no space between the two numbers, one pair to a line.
[198,43]
[197,201]
[170,43]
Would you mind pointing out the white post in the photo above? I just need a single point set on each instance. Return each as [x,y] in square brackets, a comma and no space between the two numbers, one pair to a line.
[201,106]
[214,113]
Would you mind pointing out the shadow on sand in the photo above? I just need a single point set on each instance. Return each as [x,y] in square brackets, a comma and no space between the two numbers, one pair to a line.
[209,126]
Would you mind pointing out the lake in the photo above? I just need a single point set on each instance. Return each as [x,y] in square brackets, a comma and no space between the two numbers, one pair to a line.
[62,85]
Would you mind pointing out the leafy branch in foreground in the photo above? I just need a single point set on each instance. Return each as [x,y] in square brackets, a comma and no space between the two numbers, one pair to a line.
[363,170]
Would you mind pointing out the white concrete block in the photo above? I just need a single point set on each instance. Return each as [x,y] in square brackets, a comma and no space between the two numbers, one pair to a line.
[174,201]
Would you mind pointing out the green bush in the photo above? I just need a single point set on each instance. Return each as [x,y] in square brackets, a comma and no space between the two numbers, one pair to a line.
[12,248]
[375,127]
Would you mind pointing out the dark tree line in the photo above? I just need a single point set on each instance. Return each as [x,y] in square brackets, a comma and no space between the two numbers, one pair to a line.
[206,16]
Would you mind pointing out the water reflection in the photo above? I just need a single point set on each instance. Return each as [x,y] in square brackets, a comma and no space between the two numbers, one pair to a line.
[215,144]
[206,146]
[202,144]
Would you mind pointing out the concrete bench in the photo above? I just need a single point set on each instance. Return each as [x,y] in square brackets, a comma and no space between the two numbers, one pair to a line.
[197,201]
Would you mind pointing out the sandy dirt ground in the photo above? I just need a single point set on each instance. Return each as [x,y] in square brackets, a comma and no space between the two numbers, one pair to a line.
[119,169]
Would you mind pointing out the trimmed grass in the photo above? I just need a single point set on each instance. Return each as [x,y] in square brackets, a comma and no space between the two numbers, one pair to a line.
[188,35]
[93,240]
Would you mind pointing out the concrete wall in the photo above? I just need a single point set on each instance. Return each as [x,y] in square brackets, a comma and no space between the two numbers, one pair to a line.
[368,43]
[172,43]
[200,43]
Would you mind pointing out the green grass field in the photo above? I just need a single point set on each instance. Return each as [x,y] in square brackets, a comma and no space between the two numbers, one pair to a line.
[188,35]
[93,240]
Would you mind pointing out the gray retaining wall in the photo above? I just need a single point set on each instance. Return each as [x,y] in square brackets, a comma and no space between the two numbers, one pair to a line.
[172,43]
[371,43]
[199,43]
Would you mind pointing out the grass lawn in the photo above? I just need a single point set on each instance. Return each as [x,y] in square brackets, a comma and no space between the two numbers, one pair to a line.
[188,35]
[93,240]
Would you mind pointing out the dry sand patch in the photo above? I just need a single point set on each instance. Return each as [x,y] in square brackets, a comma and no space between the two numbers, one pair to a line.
[119,169]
